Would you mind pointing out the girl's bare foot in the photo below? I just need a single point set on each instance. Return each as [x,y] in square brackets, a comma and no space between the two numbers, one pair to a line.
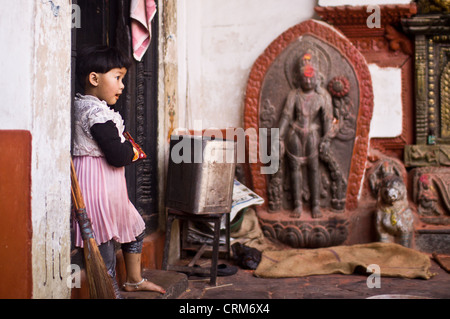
[143,285]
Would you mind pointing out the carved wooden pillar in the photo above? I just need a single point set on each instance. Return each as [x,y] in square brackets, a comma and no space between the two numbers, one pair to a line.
[432,78]
[429,157]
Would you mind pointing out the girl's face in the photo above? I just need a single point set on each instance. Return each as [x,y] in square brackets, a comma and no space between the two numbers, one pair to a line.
[110,86]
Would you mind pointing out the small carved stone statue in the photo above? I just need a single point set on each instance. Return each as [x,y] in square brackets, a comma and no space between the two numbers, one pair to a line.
[427,197]
[394,218]
[305,124]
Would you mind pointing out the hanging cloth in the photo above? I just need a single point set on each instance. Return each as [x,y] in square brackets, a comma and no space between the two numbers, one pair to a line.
[141,13]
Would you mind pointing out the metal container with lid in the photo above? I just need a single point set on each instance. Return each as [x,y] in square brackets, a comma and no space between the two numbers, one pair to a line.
[200,174]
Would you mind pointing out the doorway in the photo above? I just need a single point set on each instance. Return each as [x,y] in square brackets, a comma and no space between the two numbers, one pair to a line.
[107,22]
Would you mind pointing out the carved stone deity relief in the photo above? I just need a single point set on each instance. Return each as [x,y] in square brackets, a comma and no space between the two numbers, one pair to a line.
[309,94]
[313,87]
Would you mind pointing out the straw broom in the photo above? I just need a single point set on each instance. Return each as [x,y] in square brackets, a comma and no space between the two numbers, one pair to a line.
[100,283]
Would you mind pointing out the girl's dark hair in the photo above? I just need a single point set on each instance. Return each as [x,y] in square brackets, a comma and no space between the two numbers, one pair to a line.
[100,59]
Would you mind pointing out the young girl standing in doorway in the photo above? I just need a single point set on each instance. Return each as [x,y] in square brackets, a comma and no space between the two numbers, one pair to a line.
[100,152]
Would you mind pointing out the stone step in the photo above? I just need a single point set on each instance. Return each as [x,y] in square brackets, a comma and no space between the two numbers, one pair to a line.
[174,283]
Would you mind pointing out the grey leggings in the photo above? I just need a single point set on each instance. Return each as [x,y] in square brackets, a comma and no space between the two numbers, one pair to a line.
[108,252]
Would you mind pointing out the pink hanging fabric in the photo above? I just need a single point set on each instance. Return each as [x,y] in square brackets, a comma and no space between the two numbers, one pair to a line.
[141,13]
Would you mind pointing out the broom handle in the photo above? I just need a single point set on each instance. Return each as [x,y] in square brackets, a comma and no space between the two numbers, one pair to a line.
[80,208]
[76,191]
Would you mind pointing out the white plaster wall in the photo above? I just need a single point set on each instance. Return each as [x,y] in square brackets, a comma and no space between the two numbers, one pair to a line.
[218,43]
[16,74]
[35,96]
[387,119]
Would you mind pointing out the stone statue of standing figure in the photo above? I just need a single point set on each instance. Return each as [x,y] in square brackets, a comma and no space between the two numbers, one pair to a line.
[305,132]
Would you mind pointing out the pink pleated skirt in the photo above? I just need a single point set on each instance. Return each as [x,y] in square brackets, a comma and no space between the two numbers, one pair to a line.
[105,194]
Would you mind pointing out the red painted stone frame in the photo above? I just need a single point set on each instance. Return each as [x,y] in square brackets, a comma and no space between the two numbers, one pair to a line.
[329,35]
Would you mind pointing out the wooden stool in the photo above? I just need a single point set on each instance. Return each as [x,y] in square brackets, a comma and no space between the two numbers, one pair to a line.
[183,218]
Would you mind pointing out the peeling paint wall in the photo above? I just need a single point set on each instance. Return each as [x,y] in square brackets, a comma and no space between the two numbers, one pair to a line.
[51,129]
[168,97]
[35,84]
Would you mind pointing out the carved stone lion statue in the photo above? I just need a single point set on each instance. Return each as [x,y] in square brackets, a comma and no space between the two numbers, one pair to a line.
[394,218]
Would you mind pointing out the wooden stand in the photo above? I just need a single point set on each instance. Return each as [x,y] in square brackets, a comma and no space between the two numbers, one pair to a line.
[184,217]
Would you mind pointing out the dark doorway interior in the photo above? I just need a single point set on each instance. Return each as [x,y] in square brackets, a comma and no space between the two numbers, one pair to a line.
[108,22]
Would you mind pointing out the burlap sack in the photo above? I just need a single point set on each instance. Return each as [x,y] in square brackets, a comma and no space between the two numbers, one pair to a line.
[250,233]
[394,261]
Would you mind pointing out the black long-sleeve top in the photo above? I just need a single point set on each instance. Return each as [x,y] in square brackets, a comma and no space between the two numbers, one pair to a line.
[116,153]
